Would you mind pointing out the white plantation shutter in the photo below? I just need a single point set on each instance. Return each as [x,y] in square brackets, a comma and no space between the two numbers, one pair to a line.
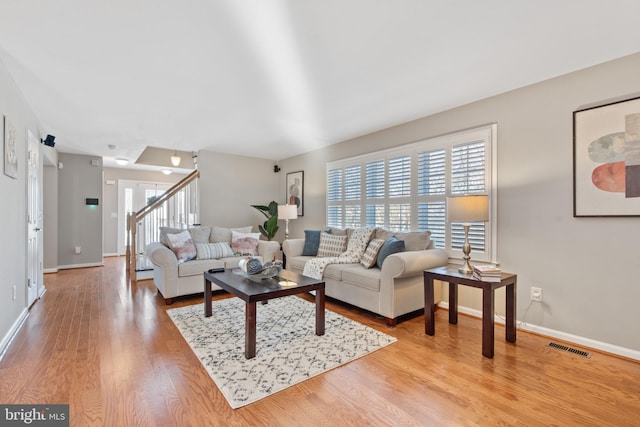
[405,188]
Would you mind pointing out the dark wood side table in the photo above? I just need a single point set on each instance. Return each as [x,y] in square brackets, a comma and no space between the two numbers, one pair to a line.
[455,278]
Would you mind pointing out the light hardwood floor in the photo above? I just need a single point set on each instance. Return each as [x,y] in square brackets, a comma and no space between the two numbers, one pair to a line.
[109,349]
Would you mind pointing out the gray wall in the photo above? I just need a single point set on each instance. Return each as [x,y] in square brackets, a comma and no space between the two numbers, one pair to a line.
[230,184]
[584,265]
[78,223]
[110,196]
[13,211]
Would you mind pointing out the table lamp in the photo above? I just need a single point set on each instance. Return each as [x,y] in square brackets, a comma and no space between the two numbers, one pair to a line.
[467,209]
[287,212]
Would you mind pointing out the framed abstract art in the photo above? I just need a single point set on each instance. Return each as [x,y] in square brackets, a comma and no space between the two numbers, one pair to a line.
[606,160]
[295,190]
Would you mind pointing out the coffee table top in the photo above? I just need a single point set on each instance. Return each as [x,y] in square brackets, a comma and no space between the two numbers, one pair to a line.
[231,281]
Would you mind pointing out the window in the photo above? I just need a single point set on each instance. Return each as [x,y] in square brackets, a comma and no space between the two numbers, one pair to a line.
[406,188]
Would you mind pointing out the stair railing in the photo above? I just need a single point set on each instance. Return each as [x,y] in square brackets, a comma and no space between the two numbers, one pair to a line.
[178,207]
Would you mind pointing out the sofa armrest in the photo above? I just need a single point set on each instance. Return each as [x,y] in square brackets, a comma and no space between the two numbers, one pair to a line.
[161,255]
[293,247]
[411,263]
[267,249]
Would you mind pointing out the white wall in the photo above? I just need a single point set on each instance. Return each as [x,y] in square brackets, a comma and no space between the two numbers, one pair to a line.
[586,266]
[13,213]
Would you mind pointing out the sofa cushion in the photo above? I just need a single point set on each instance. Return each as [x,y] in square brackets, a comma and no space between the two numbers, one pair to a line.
[331,245]
[221,234]
[182,245]
[357,275]
[200,234]
[213,250]
[297,263]
[371,254]
[198,267]
[244,243]
[334,271]
[413,240]
[391,246]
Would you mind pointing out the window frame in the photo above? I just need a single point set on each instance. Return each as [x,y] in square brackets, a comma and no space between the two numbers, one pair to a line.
[487,133]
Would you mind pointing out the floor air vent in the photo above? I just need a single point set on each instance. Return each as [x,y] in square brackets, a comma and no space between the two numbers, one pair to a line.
[569,349]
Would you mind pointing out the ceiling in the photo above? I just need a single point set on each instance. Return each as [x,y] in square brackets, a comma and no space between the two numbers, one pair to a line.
[273,79]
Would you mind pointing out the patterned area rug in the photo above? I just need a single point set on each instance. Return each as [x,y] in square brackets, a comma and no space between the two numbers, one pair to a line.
[287,349]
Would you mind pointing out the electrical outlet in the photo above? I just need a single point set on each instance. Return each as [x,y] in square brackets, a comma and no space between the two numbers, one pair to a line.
[536,294]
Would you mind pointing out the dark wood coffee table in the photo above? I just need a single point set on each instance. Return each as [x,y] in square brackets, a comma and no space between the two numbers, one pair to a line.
[252,292]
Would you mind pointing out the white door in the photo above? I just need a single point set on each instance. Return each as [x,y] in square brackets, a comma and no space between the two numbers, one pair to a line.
[35,285]
[133,196]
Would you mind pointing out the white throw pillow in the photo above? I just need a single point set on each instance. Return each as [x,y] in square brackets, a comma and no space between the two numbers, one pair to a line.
[214,250]
[182,245]
[371,254]
[331,245]
[244,243]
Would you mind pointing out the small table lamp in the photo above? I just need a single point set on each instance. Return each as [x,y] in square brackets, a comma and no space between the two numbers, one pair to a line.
[466,209]
[287,212]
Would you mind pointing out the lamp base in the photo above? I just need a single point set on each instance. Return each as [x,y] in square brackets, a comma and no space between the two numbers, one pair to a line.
[466,268]
[466,250]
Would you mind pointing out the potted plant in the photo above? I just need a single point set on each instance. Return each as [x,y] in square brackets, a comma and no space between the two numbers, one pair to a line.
[270,226]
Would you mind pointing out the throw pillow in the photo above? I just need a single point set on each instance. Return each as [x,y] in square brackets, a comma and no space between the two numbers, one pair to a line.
[182,245]
[331,245]
[358,241]
[200,234]
[244,243]
[168,230]
[213,250]
[371,254]
[311,242]
[391,246]
[221,234]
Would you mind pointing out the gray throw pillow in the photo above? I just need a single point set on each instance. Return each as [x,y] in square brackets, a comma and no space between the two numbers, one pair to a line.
[391,246]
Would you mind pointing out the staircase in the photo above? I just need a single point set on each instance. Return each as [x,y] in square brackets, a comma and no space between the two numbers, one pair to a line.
[178,207]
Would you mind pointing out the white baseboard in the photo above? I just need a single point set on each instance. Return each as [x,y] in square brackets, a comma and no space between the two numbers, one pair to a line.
[110,255]
[50,270]
[66,267]
[8,339]
[587,342]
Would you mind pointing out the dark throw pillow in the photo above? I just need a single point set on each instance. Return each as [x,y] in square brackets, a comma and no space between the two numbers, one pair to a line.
[391,246]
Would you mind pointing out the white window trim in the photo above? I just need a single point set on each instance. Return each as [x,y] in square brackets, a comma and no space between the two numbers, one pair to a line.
[489,134]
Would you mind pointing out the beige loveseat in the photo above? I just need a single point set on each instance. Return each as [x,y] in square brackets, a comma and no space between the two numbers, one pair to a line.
[391,291]
[174,279]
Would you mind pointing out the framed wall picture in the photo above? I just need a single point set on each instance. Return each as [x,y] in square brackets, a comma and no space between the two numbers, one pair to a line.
[606,160]
[295,190]
[10,152]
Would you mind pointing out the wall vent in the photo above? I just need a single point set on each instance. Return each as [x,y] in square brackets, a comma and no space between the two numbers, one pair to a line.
[569,349]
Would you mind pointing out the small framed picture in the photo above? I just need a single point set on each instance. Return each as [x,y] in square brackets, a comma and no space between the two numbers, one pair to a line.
[295,190]
[10,152]
[606,160]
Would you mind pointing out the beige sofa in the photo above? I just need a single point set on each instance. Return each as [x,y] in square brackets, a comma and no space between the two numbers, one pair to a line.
[391,291]
[175,279]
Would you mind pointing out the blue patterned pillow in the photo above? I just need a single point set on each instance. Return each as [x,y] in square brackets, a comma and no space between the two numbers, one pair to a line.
[391,246]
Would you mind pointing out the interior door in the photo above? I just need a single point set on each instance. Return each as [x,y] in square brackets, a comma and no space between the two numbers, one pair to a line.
[35,285]
[133,196]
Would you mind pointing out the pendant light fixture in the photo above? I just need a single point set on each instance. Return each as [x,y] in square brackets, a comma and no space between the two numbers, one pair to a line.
[175,159]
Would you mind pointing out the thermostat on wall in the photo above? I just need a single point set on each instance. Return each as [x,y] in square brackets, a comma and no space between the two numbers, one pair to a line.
[91,201]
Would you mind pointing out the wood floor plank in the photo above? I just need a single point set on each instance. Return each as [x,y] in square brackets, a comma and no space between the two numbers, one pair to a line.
[108,348]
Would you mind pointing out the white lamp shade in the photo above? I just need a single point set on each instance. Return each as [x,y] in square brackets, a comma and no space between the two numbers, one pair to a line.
[471,208]
[175,160]
[287,212]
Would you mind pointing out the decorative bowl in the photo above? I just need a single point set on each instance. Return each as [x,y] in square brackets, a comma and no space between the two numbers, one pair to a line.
[265,273]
